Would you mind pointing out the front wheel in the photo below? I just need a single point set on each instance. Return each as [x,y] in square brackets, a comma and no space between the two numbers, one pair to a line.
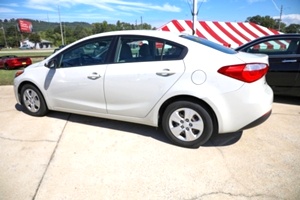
[187,124]
[33,101]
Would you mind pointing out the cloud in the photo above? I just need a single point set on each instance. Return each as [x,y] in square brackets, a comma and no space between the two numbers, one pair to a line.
[108,5]
[166,7]
[13,5]
[254,1]
[41,7]
[6,10]
[289,19]
[132,9]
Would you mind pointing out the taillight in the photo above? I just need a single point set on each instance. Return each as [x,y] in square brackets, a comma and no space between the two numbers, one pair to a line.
[245,72]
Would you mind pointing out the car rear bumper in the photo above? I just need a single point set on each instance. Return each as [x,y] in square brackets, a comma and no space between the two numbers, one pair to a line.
[259,121]
[246,107]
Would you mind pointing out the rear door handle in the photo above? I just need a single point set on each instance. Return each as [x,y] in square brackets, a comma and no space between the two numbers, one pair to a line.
[165,72]
[289,61]
[94,76]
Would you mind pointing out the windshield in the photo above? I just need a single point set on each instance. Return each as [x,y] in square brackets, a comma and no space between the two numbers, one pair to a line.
[209,44]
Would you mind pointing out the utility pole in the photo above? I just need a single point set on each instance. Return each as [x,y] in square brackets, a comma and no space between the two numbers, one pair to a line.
[61,31]
[281,8]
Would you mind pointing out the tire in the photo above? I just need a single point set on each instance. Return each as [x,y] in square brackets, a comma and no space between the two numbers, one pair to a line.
[187,124]
[33,101]
[6,67]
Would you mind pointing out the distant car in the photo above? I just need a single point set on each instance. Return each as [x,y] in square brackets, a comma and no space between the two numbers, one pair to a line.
[12,62]
[25,46]
[189,86]
[284,59]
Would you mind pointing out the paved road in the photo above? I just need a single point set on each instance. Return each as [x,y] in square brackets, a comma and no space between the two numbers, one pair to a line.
[66,156]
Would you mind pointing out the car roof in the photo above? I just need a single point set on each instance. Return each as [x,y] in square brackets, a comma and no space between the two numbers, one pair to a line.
[138,32]
[151,33]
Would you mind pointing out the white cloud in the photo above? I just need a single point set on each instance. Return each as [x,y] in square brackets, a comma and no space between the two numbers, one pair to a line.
[254,1]
[41,7]
[6,10]
[289,19]
[131,9]
[109,5]
[13,5]
[166,7]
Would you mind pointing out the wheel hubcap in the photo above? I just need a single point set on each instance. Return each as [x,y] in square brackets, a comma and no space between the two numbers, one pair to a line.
[31,100]
[186,124]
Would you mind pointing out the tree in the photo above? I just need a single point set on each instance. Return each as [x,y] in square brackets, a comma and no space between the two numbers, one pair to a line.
[266,21]
[35,37]
[293,28]
[96,28]
[81,32]
[12,36]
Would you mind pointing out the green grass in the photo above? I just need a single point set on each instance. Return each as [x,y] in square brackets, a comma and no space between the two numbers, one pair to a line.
[29,53]
[7,76]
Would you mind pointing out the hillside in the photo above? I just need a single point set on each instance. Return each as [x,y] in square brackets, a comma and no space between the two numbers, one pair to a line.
[43,25]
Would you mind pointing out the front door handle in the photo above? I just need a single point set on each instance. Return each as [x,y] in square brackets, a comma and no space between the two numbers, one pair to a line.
[289,61]
[94,76]
[165,72]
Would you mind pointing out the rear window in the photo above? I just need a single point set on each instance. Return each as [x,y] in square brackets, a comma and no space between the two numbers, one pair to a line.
[209,44]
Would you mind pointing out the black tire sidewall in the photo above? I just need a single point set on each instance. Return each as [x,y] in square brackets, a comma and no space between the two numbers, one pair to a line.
[207,120]
[43,107]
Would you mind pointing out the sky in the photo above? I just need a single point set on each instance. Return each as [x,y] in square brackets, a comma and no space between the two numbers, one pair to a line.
[153,12]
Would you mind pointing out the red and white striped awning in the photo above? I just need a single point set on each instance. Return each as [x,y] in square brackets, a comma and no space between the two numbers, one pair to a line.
[232,34]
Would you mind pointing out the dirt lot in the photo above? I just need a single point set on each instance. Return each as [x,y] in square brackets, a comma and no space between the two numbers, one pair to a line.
[66,156]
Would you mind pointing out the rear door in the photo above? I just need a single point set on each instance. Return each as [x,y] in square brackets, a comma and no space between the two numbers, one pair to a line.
[141,75]
[284,69]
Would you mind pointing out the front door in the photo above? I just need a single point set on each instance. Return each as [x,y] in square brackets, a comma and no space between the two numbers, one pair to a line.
[77,83]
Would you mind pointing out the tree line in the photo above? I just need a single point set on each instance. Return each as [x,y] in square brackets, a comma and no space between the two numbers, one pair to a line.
[276,24]
[76,30]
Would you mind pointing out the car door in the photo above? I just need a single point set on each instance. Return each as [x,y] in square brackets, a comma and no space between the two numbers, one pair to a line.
[77,83]
[284,71]
[284,63]
[138,78]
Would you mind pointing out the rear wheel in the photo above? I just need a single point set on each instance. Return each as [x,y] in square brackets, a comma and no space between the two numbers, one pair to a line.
[187,124]
[6,66]
[33,101]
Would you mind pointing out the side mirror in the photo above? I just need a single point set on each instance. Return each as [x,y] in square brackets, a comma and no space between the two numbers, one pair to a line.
[51,64]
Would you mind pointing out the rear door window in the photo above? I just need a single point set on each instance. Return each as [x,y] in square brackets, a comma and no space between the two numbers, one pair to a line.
[275,47]
[145,49]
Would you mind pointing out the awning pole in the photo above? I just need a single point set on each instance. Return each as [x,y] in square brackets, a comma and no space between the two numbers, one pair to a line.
[195,13]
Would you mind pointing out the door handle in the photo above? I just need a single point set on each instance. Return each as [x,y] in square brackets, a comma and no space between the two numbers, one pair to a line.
[165,72]
[289,61]
[94,76]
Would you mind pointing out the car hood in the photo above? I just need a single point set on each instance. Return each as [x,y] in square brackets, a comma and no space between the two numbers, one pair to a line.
[253,58]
